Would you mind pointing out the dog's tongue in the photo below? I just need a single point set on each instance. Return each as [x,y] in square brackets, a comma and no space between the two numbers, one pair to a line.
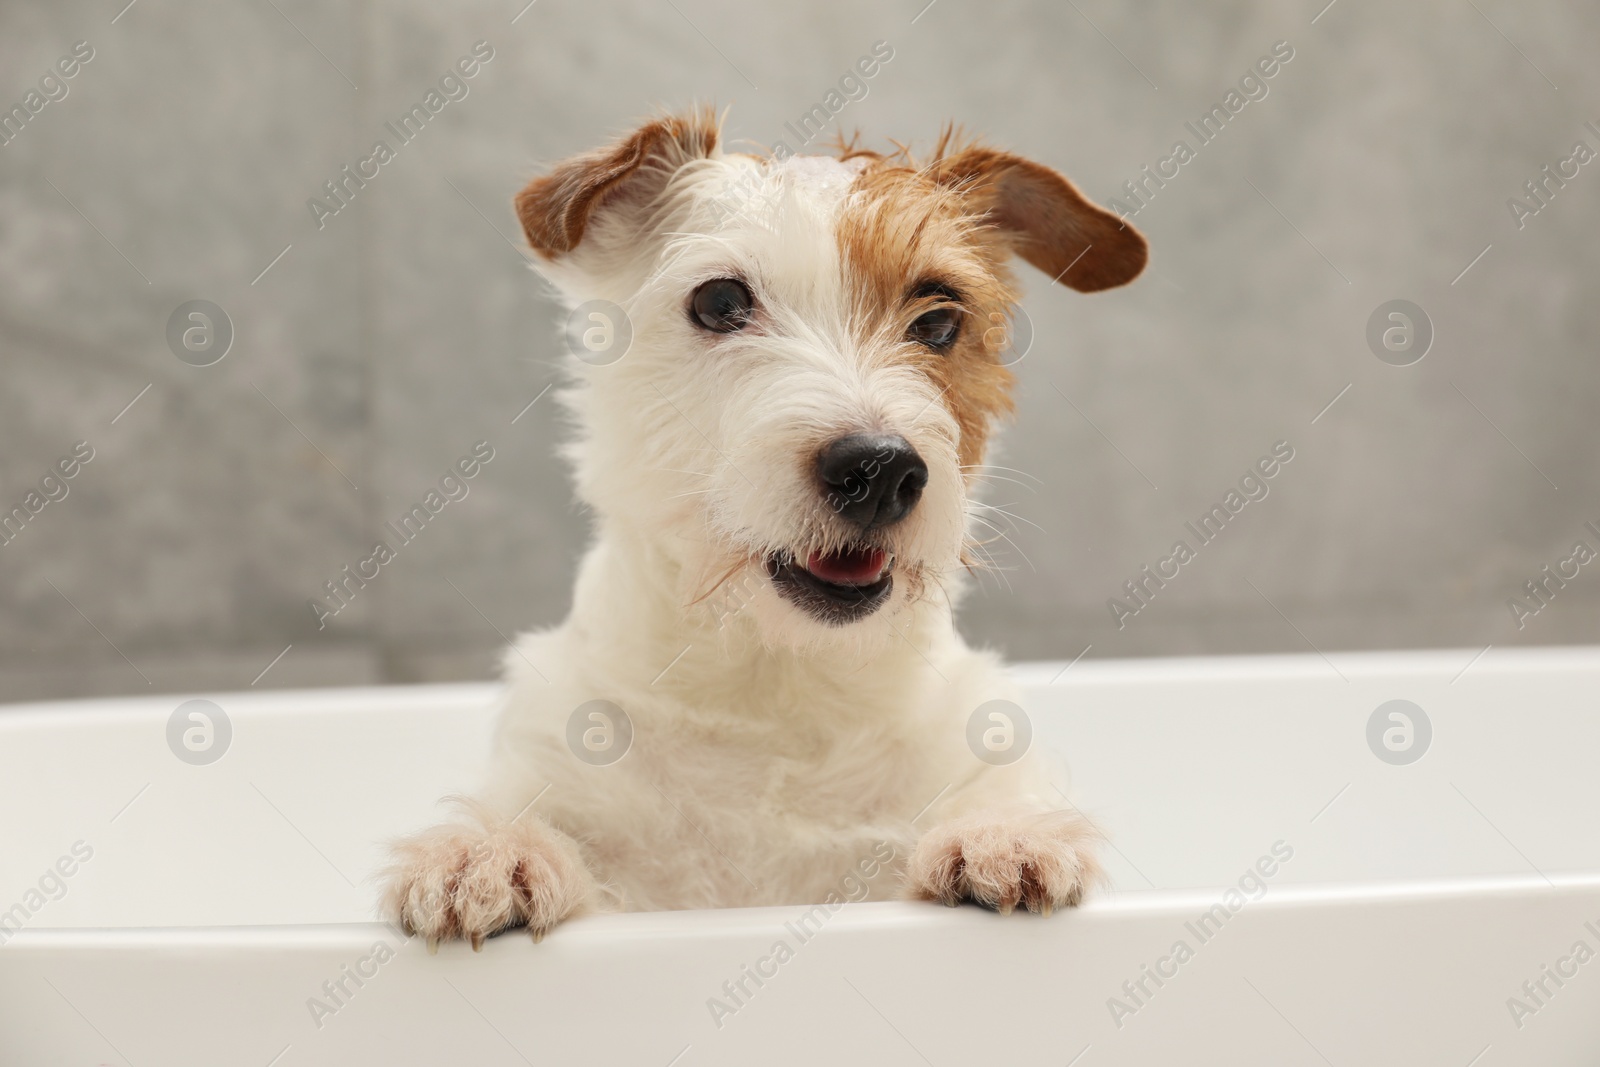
[853,566]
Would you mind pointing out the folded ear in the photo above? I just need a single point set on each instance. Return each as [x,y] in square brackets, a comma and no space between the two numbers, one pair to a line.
[557,209]
[1046,219]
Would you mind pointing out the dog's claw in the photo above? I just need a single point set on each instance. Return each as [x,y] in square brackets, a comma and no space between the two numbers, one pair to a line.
[433,946]
[537,933]
[477,942]
[1045,909]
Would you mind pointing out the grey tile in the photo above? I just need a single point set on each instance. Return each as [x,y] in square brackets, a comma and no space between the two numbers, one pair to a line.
[407,326]
[207,518]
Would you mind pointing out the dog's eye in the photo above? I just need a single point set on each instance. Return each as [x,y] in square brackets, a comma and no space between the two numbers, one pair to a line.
[722,306]
[936,329]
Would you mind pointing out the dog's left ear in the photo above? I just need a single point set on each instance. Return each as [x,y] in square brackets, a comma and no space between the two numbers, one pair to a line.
[622,181]
[1047,221]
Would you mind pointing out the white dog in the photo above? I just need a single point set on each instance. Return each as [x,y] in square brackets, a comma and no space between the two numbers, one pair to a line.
[780,467]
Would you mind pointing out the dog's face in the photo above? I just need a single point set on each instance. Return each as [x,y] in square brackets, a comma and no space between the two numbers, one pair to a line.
[816,358]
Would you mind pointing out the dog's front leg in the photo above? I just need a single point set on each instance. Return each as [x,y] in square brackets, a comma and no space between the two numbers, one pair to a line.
[481,874]
[1003,857]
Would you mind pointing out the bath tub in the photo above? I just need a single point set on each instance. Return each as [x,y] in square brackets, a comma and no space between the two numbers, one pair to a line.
[1337,899]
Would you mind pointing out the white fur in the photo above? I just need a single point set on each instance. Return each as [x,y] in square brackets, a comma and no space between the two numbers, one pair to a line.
[771,753]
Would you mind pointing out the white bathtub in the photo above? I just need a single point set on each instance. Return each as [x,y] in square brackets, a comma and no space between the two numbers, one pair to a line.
[216,900]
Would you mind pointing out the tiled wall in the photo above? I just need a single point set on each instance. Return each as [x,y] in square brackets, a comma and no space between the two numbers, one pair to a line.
[371,351]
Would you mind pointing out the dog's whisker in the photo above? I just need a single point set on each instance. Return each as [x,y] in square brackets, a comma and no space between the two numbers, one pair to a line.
[1006,538]
[988,565]
[720,582]
[973,558]
[980,520]
[999,510]
[997,467]
[675,470]
[988,562]
[1003,478]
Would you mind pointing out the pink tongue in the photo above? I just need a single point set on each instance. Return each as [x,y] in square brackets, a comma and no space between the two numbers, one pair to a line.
[857,566]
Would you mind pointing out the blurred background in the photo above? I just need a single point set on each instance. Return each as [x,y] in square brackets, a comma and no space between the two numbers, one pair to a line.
[373,347]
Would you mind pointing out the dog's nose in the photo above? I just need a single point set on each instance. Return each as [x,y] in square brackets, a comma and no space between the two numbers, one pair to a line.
[871,480]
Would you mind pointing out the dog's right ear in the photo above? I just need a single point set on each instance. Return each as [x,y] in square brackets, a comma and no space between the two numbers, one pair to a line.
[556,210]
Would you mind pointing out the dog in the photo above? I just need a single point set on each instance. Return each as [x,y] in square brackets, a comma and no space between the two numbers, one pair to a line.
[782,469]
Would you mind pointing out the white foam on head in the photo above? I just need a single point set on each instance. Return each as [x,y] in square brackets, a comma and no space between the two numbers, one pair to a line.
[823,172]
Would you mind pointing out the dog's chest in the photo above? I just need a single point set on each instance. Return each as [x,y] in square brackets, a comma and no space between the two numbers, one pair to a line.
[735,821]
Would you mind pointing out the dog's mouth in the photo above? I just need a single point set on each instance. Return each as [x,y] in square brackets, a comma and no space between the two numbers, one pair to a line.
[836,587]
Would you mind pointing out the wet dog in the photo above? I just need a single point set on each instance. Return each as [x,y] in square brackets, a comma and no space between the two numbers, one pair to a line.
[759,687]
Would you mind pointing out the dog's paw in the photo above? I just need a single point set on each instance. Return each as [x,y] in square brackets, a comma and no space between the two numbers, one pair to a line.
[1041,862]
[476,877]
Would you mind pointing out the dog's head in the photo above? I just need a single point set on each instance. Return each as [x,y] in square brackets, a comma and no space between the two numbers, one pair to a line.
[816,359]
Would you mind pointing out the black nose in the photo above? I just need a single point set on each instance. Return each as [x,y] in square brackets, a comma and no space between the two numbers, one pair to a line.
[870,479]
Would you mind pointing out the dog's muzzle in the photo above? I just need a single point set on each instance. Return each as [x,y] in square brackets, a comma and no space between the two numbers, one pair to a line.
[871,482]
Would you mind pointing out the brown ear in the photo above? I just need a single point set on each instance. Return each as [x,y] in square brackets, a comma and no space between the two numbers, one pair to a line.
[1048,222]
[555,209]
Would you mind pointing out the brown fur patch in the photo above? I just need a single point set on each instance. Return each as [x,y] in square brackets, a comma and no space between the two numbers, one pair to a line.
[901,230]
[956,220]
